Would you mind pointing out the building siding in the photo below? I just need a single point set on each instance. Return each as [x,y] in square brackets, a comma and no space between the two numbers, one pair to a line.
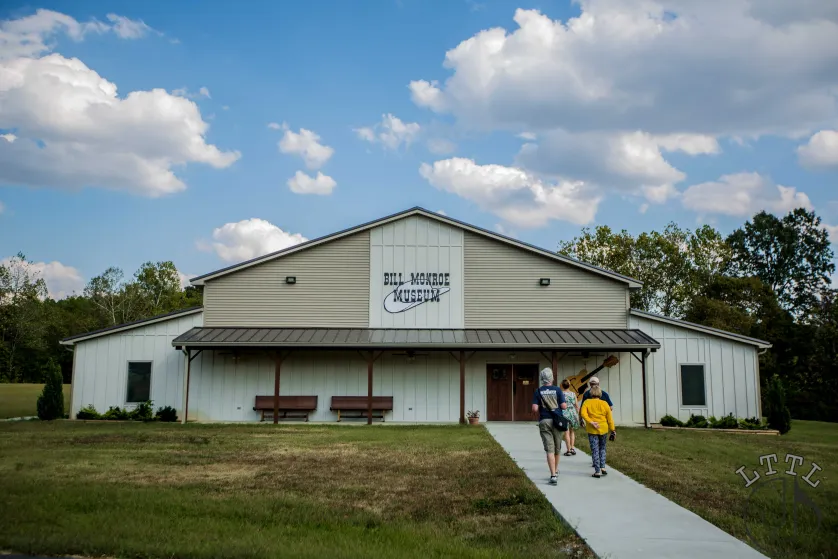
[731,372]
[332,289]
[502,291]
[101,365]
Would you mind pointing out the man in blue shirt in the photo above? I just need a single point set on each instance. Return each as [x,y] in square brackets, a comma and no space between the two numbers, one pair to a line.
[548,397]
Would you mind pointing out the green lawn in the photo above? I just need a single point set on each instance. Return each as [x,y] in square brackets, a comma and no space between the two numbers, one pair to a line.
[21,400]
[261,491]
[698,471]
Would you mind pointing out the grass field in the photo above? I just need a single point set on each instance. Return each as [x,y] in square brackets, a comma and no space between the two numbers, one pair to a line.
[698,471]
[158,490]
[21,400]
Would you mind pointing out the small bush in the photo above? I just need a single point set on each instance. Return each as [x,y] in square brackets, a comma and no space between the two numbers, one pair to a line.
[88,412]
[779,416]
[696,422]
[727,422]
[51,400]
[143,412]
[753,424]
[670,421]
[168,414]
[115,413]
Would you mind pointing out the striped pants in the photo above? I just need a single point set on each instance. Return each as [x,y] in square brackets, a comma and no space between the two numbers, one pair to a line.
[597,443]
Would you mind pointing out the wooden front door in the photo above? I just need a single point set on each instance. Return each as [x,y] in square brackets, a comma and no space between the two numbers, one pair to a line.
[499,392]
[525,378]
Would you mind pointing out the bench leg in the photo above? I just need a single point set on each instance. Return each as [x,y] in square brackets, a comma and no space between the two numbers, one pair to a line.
[262,418]
[338,416]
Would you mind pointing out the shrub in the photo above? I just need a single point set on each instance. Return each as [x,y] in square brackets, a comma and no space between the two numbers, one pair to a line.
[143,412]
[116,413]
[168,414]
[752,423]
[670,421]
[696,422]
[727,422]
[779,416]
[88,412]
[51,400]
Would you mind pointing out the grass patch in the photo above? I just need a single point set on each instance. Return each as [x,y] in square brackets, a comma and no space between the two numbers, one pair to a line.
[163,490]
[698,471]
[21,400]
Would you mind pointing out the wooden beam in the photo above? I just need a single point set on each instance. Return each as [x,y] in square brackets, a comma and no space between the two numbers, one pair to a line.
[643,380]
[277,370]
[186,386]
[555,364]
[462,387]
[370,361]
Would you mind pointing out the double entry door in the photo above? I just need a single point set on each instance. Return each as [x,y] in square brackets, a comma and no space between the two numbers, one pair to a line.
[509,391]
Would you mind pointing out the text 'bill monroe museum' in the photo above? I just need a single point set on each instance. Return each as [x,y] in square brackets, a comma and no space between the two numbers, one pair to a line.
[415,317]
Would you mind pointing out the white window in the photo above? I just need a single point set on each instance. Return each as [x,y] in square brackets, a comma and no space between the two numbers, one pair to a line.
[693,393]
[139,382]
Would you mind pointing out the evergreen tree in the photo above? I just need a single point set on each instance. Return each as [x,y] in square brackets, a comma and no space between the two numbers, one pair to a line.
[779,416]
[51,400]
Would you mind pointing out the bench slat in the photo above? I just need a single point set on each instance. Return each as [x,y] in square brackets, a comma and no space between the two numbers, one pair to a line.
[351,403]
[286,403]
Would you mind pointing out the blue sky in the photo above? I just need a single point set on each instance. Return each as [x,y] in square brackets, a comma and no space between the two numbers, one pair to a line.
[601,112]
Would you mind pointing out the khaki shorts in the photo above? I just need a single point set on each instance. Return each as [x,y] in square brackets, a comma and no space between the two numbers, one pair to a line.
[550,436]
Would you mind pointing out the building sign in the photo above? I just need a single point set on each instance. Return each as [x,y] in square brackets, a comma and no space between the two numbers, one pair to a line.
[417,289]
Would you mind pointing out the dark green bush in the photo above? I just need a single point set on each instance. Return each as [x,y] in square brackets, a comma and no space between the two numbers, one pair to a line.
[116,413]
[752,423]
[670,421]
[727,422]
[696,422]
[778,414]
[51,400]
[88,412]
[143,412]
[168,414]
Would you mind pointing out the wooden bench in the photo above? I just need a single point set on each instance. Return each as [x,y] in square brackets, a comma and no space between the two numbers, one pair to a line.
[380,404]
[298,405]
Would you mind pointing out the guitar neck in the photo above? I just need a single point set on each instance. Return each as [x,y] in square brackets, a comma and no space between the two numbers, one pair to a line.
[592,373]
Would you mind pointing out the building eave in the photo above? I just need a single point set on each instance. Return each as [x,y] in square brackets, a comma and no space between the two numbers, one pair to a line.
[762,344]
[71,340]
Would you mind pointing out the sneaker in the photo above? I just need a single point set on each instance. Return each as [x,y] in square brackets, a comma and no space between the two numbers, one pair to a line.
[554,480]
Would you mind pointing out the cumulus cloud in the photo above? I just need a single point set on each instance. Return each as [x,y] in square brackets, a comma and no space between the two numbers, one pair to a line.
[441,146]
[71,129]
[249,238]
[301,183]
[184,279]
[184,92]
[663,66]
[742,195]
[820,151]
[126,28]
[306,144]
[513,194]
[391,132]
[62,280]
[277,126]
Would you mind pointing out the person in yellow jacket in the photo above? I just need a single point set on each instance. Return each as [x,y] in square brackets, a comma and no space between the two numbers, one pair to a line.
[598,422]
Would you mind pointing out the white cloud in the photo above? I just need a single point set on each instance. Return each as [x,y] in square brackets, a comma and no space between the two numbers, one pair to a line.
[691,144]
[820,151]
[441,212]
[249,238]
[742,195]
[9,137]
[184,279]
[529,136]
[513,194]
[62,281]
[307,145]
[72,129]
[833,233]
[301,183]
[663,66]
[204,92]
[184,92]
[277,126]
[643,208]
[391,132]
[28,36]
[441,146]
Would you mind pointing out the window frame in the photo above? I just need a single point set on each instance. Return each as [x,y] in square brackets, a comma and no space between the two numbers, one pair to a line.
[681,385]
[150,378]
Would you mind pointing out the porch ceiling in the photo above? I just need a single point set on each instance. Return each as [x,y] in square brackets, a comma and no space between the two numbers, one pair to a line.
[613,339]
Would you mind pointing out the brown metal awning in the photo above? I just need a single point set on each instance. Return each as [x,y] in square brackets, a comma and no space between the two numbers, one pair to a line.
[614,339]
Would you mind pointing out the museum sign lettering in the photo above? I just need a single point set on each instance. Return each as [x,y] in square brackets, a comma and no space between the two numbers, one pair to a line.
[415,289]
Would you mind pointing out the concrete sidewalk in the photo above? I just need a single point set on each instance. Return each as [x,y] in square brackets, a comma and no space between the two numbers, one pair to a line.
[616,516]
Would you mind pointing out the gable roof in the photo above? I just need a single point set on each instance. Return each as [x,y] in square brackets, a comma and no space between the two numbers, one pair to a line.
[632,283]
[701,328]
[70,340]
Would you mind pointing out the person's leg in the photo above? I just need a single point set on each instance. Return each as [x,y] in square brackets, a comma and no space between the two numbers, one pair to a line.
[593,440]
[602,443]
[567,443]
[551,463]
[545,430]
[572,439]
[557,441]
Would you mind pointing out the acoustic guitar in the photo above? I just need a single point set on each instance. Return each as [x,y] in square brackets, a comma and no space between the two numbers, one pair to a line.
[579,382]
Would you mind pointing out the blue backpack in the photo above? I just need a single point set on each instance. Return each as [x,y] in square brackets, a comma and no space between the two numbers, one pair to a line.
[559,420]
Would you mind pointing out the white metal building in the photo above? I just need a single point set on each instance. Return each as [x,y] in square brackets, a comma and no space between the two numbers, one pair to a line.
[437,314]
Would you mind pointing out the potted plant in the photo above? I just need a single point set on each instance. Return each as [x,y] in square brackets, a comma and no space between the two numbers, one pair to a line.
[473,417]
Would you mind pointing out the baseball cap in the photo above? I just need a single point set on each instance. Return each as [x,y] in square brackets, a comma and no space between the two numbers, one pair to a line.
[594,380]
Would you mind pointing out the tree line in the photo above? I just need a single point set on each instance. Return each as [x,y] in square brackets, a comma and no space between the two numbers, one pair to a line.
[769,279]
[32,323]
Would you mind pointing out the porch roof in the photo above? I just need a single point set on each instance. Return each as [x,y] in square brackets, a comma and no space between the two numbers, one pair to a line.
[403,338]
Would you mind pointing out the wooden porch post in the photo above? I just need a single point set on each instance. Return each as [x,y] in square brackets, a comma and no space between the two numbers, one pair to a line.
[555,364]
[277,370]
[186,353]
[370,360]
[462,386]
[643,379]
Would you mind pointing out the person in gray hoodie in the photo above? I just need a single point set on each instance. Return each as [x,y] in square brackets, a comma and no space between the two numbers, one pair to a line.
[546,398]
